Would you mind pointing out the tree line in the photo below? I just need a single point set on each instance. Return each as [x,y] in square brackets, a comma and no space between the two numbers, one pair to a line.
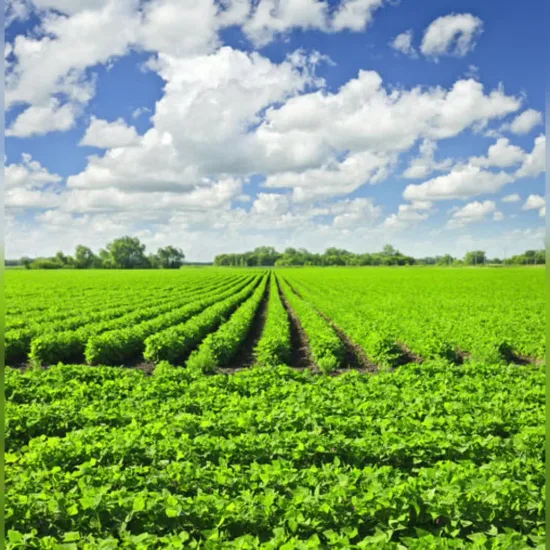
[268,256]
[122,253]
[129,253]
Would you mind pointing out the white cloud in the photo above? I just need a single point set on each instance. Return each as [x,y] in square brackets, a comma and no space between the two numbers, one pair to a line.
[403,43]
[462,182]
[453,34]
[354,212]
[470,179]
[472,212]
[425,163]
[514,197]
[16,10]
[30,185]
[501,154]
[42,119]
[408,214]
[535,162]
[49,66]
[179,27]
[140,111]
[498,216]
[271,17]
[201,124]
[535,202]
[30,174]
[526,121]
[333,179]
[70,7]
[354,15]
[103,134]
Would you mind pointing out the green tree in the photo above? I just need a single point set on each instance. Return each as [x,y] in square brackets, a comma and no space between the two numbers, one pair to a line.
[126,253]
[26,262]
[475,257]
[169,257]
[446,259]
[389,250]
[84,257]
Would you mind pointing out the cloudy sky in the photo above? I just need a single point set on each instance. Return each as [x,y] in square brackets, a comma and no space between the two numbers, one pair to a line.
[221,125]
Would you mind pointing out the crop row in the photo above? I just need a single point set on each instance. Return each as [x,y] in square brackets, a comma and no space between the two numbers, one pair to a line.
[220,346]
[450,314]
[64,341]
[176,342]
[117,342]
[274,345]
[100,304]
[326,347]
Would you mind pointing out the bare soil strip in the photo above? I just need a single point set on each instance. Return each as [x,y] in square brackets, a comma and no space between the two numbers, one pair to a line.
[462,356]
[245,356]
[300,357]
[518,359]
[355,355]
[408,355]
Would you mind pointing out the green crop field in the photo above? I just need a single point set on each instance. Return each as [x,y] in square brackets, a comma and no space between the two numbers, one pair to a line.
[280,409]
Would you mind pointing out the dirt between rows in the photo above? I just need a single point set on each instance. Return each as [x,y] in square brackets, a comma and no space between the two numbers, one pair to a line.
[301,357]
[355,356]
[245,356]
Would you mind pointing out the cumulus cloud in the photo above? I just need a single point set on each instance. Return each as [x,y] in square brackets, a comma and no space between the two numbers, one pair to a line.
[472,212]
[41,119]
[29,185]
[403,43]
[105,135]
[453,34]
[501,154]
[16,10]
[472,178]
[408,214]
[514,197]
[333,179]
[526,121]
[354,212]
[424,164]
[535,202]
[462,182]
[535,162]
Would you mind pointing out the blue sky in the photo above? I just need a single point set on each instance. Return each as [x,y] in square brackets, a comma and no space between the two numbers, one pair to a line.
[223,125]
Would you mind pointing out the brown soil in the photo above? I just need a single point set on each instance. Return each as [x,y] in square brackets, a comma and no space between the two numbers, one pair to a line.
[140,364]
[300,357]
[293,289]
[245,356]
[462,356]
[408,355]
[355,355]
[519,359]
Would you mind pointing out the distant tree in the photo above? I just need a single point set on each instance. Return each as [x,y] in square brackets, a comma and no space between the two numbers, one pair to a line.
[127,253]
[105,259]
[46,263]
[446,259]
[84,257]
[389,250]
[61,258]
[169,257]
[475,257]
[26,262]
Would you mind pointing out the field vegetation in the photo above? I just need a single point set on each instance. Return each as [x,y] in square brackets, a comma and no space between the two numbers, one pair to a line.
[275,408]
